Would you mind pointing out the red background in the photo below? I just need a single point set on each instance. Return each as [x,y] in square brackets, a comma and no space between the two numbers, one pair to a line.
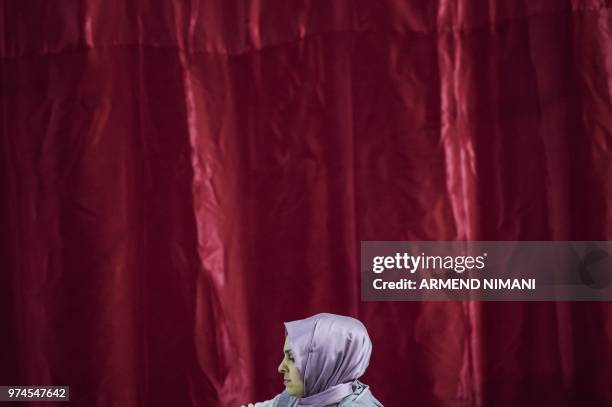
[179,177]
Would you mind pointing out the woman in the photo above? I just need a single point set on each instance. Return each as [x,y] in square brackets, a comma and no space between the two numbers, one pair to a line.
[324,356]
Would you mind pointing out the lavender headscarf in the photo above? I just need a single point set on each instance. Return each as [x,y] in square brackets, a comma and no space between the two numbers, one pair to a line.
[330,351]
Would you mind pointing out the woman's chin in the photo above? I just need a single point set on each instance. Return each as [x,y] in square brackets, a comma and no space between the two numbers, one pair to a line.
[292,392]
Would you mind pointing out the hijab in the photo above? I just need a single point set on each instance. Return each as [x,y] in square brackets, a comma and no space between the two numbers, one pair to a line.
[330,351]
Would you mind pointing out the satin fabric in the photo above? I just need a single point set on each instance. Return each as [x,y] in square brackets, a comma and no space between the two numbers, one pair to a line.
[360,396]
[177,178]
[330,351]
[327,397]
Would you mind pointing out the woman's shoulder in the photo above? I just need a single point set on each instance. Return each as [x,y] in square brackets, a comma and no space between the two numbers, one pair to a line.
[361,397]
[285,400]
[267,403]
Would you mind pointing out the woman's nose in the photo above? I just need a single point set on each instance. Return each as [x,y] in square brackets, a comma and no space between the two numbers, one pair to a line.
[281,367]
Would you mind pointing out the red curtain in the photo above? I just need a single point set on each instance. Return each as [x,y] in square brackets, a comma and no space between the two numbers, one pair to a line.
[180,177]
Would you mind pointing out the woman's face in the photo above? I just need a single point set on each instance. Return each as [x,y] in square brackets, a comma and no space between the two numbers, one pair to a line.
[292,377]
